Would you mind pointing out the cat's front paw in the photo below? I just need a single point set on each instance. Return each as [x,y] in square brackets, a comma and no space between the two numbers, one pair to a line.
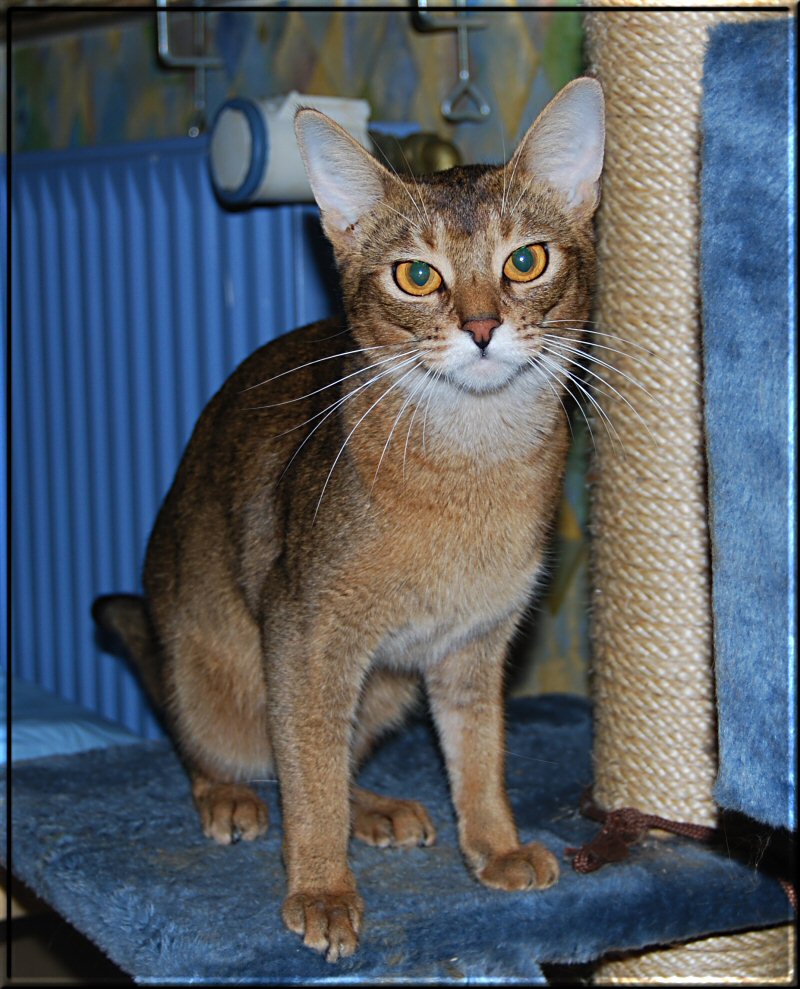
[327,922]
[527,867]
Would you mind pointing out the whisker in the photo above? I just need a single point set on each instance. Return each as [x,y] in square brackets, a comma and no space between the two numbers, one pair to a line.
[581,328]
[618,394]
[550,385]
[580,385]
[429,381]
[403,407]
[408,219]
[329,411]
[521,195]
[559,342]
[362,370]
[503,146]
[319,360]
[549,378]
[511,183]
[436,375]
[402,182]
[416,185]
[358,423]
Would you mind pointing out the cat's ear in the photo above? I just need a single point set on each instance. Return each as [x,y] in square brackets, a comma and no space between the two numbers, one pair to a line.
[346,180]
[564,145]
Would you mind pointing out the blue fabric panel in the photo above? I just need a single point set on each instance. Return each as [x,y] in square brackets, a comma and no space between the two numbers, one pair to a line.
[43,724]
[747,272]
[110,838]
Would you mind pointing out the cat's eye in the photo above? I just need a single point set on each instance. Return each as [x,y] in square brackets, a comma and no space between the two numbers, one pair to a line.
[417,277]
[526,263]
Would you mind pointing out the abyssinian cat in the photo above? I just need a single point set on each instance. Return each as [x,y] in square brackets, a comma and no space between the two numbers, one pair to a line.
[363,507]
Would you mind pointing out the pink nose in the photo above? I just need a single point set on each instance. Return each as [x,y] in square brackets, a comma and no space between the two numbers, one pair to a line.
[481,330]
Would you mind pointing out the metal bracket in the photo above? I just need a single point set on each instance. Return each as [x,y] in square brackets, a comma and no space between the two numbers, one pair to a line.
[426,21]
[198,62]
[477,107]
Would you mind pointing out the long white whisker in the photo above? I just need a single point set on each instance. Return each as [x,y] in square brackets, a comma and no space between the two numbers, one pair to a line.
[334,404]
[361,370]
[618,394]
[544,374]
[416,186]
[520,197]
[564,345]
[408,219]
[399,415]
[349,435]
[329,411]
[511,182]
[578,328]
[319,360]
[503,146]
[428,381]
[436,375]
[549,378]
[579,384]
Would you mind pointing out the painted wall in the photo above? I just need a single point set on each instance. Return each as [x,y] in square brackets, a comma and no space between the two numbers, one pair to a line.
[105,85]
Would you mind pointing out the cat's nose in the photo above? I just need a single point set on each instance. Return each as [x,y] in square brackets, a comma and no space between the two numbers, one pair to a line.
[481,330]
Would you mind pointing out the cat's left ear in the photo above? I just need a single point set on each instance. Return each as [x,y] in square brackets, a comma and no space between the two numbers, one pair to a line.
[564,145]
[346,180]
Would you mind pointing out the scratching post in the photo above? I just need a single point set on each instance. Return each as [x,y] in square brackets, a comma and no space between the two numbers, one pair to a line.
[652,673]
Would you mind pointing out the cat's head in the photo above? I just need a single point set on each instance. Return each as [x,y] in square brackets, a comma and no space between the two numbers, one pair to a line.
[475,266]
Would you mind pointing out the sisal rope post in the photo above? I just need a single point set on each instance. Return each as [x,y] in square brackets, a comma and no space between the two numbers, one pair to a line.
[652,663]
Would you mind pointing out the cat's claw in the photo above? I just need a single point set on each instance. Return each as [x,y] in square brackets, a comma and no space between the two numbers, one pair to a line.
[328,922]
[527,867]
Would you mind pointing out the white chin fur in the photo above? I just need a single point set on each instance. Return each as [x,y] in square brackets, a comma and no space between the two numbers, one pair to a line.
[467,367]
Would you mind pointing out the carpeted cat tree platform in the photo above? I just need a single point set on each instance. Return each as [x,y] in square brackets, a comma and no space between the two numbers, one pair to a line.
[110,838]
[692,716]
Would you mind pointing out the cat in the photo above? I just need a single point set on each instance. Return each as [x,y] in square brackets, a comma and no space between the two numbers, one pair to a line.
[363,508]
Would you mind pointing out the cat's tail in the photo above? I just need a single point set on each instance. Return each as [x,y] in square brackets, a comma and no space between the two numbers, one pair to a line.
[125,618]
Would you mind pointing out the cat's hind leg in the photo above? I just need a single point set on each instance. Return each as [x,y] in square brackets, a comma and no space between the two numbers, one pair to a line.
[376,819]
[228,811]
[217,704]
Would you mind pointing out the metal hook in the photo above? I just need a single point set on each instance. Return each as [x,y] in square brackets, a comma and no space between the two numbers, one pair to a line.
[199,63]
[465,88]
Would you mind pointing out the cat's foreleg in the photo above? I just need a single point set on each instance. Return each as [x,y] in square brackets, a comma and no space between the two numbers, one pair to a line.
[466,694]
[313,696]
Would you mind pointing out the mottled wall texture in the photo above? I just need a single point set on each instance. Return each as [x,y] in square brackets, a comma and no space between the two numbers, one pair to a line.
[104,84]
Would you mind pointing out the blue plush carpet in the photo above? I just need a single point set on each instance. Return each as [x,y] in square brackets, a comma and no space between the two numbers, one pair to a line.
[748,288]
[110,839]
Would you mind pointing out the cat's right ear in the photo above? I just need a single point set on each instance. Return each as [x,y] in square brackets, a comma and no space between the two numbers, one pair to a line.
[564,145]
[346,180]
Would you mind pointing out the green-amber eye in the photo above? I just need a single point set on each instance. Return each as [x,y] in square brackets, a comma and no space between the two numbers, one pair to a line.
[526,263]
[523,259]
[419,272]
[417,277]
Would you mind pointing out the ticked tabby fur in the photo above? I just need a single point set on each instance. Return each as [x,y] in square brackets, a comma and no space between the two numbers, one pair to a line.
[363,507]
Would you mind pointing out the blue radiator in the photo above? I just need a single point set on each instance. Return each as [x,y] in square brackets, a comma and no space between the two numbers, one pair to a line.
[134,294]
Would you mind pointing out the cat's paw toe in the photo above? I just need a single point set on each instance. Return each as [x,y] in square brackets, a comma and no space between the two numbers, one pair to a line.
[527,867]
[394,823]
[230,812]
[328,922]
